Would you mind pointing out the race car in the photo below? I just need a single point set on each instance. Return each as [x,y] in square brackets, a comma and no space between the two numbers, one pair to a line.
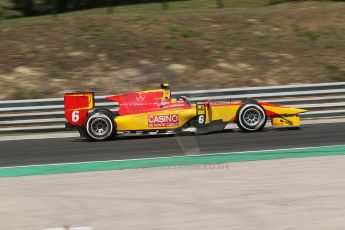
[156,112]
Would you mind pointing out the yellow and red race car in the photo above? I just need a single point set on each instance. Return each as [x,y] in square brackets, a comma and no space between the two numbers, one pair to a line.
[156,112]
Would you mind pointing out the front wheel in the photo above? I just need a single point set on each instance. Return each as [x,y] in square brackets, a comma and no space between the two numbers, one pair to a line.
[251,117]
[100,125]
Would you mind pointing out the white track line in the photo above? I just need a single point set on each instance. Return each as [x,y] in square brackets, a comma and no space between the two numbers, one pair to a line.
[39,136]
[70,228]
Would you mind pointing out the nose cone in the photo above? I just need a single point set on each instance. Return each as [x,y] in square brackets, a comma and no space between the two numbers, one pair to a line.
[274,110]
[290,111]
[302,110]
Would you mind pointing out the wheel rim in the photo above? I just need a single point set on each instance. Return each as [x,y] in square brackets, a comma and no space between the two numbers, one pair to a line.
[252,117]
[99,127]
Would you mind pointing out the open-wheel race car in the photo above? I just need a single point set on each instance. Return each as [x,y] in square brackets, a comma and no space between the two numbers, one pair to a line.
[156,112]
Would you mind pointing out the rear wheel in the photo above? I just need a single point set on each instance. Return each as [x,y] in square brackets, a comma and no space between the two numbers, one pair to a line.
[251,117]
[100,125]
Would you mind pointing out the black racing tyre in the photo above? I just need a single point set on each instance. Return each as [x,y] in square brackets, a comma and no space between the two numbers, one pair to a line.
[251,117]
[100,125]
[82,131]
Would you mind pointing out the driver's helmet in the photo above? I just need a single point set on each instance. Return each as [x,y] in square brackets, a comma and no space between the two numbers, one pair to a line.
[165,86]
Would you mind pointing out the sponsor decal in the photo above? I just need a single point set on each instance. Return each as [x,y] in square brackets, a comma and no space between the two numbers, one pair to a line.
[169,120]
[140,97]
[165,102]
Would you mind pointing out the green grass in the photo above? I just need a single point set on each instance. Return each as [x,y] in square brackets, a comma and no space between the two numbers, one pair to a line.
[335,71]
[173,46]
[138,45]
[311,35]
[93,29]
[185,33]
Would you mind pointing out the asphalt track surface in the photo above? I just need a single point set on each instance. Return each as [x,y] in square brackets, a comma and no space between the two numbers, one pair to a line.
[69,150]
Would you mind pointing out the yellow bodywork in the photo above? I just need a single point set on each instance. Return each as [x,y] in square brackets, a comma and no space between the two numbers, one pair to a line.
[222,112]
[225,113]
[141,121]
[286,121]
[288,117]
[283,110]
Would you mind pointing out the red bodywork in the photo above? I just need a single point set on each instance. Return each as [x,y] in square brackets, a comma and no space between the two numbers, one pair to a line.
[142,102]
[77,106]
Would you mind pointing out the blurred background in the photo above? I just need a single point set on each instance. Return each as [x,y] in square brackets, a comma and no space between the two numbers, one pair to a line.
[49,47]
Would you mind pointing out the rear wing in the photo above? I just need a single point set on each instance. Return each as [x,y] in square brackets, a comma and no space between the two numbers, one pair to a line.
[77,105]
